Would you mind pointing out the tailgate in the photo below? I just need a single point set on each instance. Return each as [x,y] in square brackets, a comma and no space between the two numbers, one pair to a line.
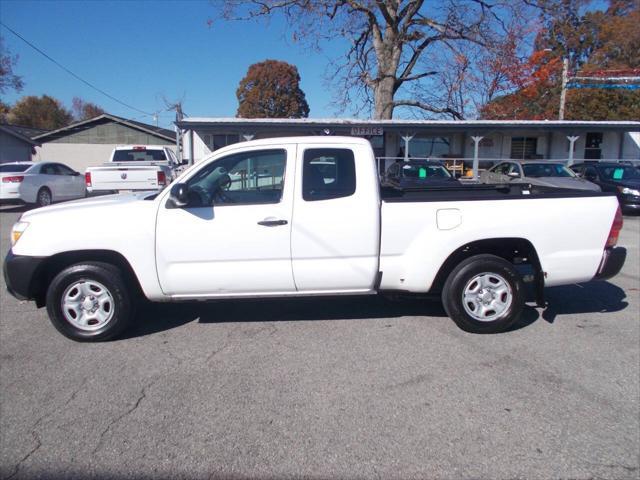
[124,178]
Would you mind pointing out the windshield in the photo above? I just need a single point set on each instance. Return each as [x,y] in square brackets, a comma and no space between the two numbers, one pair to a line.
[619,173]
[423,171]
[14,168]
[139,155]
[546,170]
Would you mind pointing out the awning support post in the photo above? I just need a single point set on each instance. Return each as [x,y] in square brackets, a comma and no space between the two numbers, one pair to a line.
[407,138]
[572,146]
[476,143]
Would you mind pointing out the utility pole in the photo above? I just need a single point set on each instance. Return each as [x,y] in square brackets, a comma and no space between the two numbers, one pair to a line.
[563,92]
[179,115]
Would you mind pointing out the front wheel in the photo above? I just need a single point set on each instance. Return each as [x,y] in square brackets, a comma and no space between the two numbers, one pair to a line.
[484,294]
[89,302]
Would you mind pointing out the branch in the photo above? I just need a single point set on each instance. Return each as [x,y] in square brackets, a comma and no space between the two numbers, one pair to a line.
[384,10]
[409,11]
[429,108]
[417,76]
[416,55]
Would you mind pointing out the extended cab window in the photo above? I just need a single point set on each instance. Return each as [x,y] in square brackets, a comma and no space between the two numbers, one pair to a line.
[241,179]
[328,173]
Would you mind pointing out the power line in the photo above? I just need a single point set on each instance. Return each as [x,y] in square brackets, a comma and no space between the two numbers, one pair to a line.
[71,73]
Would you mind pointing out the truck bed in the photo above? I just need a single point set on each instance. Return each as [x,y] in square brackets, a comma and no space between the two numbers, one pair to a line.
[421,227]
[469,192]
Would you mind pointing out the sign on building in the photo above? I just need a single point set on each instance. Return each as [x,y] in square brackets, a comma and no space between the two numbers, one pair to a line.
[366,131]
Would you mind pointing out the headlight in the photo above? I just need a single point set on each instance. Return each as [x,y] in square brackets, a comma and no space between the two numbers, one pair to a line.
[628,191]
[17,231]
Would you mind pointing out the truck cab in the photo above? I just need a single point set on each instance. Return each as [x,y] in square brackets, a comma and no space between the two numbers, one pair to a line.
[243,205]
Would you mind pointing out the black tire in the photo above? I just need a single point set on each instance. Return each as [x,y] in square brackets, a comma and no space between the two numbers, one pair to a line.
[461,278]
[120,305]
[44,197]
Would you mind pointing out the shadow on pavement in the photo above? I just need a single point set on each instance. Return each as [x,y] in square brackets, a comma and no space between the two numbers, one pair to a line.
[157,317]
[20,208]
[592,297]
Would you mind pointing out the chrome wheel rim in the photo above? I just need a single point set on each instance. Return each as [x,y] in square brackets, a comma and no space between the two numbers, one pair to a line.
[87,305]
[44,198]
[487,297]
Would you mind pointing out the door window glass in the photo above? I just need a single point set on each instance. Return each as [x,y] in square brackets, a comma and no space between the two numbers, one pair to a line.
[241,179]
[48,169]
[64,170]
[328,173]
[590,172]
[513,168]
[503,168]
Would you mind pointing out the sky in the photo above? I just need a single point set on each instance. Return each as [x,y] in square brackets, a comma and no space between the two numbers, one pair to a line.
[144,51]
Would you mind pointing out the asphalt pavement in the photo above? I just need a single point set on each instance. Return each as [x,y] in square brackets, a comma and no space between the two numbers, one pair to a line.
[348,387]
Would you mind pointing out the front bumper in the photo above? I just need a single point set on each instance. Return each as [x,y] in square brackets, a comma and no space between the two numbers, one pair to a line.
[19,272]
[612,262]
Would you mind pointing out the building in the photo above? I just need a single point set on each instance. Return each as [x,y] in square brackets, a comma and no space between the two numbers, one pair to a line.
[16,144]
[455,141]
[90,142]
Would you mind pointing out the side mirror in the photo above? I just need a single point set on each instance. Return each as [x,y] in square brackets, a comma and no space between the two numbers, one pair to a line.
[179,195]
[513,174]
[184,162]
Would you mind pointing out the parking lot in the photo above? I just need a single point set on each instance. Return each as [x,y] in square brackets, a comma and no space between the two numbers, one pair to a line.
[349,387]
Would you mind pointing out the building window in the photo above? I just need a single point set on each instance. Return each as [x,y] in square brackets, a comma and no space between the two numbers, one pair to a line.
[425,147]
[220,141]
[524,148]
[214,142]
[592,147]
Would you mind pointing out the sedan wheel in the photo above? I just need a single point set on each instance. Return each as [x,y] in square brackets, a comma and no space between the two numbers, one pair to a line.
[44,197]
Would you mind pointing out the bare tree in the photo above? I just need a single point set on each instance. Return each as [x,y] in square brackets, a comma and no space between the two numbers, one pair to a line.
[8,79]
[391,42]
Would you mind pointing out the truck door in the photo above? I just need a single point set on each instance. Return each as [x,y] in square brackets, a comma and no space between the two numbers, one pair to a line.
[336,220]
[234,235]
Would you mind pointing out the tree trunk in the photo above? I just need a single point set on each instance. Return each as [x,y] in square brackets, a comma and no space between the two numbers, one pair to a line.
[383,95]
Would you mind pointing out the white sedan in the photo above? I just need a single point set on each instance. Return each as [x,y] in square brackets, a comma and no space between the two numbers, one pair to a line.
[39,183]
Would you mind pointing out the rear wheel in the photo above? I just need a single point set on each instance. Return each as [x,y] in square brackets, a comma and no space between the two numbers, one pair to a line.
[484,294]
[89,302]
[44,197]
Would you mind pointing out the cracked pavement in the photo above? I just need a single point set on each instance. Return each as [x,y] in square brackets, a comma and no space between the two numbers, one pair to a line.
[329,388]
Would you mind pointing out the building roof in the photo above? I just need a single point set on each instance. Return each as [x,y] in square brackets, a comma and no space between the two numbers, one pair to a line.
[403,125]
[19,132]
[159,132]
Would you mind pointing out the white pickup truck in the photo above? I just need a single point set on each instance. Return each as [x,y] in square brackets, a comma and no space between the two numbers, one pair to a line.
[307,216]
[133,167]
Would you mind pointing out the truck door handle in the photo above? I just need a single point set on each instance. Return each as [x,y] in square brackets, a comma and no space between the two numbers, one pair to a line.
[272,223]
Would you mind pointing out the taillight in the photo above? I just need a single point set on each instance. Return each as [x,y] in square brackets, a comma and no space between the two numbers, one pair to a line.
[87,178]
[14,179]
[615,229]
[162,178]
